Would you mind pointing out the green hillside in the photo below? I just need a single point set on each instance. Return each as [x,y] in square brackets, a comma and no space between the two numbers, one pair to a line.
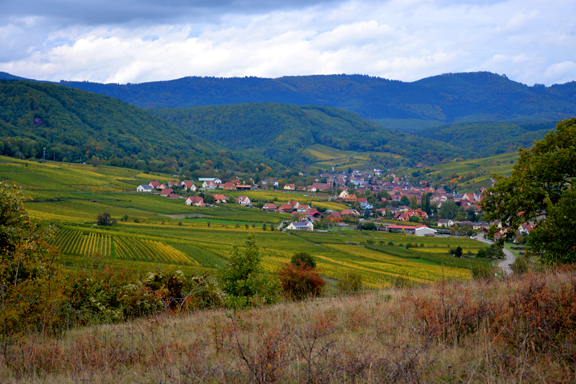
[488,139]
[282,132]
[78,126]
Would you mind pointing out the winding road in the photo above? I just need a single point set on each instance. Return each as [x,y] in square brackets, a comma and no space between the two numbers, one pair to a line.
[505,264]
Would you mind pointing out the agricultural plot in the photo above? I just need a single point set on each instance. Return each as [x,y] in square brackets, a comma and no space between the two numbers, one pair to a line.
[204,257]
[135,249]
[72,242]
[399,266]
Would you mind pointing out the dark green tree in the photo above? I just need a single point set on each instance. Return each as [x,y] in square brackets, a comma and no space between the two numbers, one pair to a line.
[303,257]
[541,182]
[448,210]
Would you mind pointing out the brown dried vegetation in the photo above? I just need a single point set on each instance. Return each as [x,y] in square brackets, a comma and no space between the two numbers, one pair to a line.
[521,329]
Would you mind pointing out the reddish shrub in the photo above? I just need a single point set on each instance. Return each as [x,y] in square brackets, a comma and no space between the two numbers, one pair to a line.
[300,281]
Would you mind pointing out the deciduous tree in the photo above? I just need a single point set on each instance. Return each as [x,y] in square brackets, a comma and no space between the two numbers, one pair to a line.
[541,183]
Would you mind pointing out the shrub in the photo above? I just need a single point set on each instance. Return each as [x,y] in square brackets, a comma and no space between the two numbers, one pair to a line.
[242,280]
[520,266]
[300,281]
[480,272]
[350,282]
[457,252]
[105,219]
[304,257]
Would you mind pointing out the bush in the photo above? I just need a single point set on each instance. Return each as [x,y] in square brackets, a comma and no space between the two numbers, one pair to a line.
[480,272]
[300,281]
[520,266]
[350,282]
[367,226]
[243,279]
[304,257]
[105,219]
[457,252]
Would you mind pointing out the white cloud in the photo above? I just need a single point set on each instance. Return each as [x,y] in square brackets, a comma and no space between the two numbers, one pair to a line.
[525,39]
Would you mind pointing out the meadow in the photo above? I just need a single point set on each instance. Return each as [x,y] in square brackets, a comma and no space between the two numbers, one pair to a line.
[154,232]
[519,329]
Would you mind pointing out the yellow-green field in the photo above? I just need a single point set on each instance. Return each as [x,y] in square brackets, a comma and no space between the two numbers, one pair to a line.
[159,233]
[328,157]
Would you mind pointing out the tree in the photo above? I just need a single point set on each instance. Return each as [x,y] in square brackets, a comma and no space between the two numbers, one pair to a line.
[105,219]
[30,274]
[541,182]
[414,219]
[304,257]
[242,279]
[405,201]
[448,210]
[209,199]
[23,243]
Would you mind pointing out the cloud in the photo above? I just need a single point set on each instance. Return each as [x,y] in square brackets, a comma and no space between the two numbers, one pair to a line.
[407,40]
[113,12]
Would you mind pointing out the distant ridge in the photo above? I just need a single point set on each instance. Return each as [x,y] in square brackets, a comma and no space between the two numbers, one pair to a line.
[7,76]
[438,100]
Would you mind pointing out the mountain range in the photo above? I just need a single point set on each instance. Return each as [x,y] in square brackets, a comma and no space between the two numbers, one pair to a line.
[438,100]
[460,115]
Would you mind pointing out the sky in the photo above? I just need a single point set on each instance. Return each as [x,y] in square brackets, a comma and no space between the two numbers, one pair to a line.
[129,41]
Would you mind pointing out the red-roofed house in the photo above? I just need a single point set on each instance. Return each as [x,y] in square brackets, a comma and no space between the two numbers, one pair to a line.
[220,199]
[173,184]
[188,185]
[294,204]
[154,184]
[289,187]
[173,196]
[334,215]
[229,186]
[350,212]
[196,201]
[285,208]
[269,207]
[243,200]
[166,191]
[313,214]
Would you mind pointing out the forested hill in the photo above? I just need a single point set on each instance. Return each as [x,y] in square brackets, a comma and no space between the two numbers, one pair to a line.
[81,126]
[283,131]
[443,99]
[489,139]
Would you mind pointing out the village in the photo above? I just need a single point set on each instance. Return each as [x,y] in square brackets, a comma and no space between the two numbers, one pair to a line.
[375,201]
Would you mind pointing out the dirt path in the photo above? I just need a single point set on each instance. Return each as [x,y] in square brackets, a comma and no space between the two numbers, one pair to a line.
[505,264]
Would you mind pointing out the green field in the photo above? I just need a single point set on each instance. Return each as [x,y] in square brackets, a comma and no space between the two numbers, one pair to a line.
[159,233]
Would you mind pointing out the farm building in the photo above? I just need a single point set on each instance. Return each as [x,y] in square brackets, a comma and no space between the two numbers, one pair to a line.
[144,188]
[425,231]
[301,226]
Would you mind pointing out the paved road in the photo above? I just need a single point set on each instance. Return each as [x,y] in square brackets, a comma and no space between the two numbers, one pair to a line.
[505,264]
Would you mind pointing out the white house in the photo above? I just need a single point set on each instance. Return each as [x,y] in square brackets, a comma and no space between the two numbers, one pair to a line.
[188,185]
[213,179]
[243,200]
[209,184]
[425,231]
[301,226]
[144,188]
[445,223]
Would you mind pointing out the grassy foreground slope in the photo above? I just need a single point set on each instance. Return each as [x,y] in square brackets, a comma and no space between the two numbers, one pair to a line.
[156,232]
[517,330]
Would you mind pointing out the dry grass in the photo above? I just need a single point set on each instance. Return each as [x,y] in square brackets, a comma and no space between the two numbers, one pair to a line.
[517,330]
